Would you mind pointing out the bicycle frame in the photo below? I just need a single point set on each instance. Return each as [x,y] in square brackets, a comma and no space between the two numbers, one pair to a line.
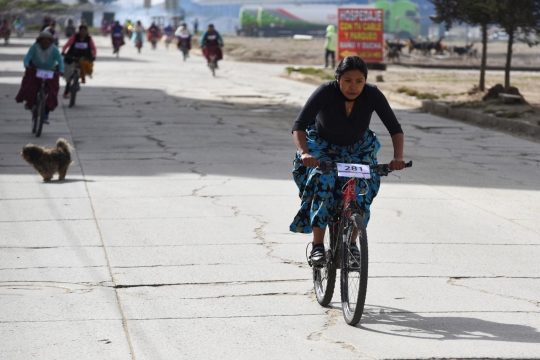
[347,206]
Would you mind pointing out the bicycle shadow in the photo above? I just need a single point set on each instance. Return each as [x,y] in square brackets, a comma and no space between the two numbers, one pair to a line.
[403,323]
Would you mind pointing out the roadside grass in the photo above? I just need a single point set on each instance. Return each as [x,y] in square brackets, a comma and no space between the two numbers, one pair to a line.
[419,95]
[451,79]
[449,94]
[320,73]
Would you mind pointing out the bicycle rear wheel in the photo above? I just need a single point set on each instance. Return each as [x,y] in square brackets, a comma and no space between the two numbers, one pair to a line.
[324,278]
[354,273]
[73,89]
[40,112]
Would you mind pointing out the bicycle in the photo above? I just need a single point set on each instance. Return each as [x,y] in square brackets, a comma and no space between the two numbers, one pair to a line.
[5,35]
[118,41]
[38,111]
[183,45]
[346,224]
[20,31]
[138,45]
[153,40]
[212,63]
[168,39]
[73,82]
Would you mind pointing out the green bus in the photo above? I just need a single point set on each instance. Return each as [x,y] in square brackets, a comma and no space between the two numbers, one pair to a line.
[401,18]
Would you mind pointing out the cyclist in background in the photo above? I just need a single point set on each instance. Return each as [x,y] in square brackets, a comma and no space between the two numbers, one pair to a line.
[52,29]
[43,54]
[128,28]
[168,34]
[117,36]
[47,20]
[154,33]
[211,42]
[5,30]
[334,126]
[18,26]
[79,46]
[184,37]
[138,33]
[70,28]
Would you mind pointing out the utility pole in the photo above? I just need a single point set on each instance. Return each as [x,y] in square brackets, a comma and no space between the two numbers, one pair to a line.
[147,5]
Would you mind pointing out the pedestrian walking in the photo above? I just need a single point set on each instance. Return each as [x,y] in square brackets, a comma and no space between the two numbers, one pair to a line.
[330,45]
[196,26]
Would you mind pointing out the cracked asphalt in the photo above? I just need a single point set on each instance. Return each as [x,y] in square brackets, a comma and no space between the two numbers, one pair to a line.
[169,239]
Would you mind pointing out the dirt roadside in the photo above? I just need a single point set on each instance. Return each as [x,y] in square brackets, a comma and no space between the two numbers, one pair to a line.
[311,52]
[448,94]
[445,92]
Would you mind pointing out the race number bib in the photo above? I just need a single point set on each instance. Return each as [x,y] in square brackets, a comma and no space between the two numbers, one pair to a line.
[211,37]
[81,45]
[44,74]
[354,170]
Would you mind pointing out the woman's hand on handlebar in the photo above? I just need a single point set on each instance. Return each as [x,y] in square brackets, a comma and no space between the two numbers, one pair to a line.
[309,160]
[397,164]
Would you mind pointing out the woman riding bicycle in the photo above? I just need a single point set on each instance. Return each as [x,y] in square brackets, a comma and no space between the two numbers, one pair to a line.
[70,28]
[5,30]
[54,32]
[117,36]
[43,54]
[334,126]
[184,37]
[138,34]
[80,47]
[211,42]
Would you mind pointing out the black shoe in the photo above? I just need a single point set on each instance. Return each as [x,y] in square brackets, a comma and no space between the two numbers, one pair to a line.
[317,256]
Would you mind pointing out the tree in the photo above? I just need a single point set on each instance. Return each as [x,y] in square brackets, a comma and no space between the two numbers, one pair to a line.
[472,12]
[514,16]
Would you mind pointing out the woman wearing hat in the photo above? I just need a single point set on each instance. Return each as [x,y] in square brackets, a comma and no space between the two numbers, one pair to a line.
[79,48]
[43,54]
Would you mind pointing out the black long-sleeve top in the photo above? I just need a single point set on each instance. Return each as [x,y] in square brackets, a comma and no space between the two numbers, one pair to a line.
[326,108]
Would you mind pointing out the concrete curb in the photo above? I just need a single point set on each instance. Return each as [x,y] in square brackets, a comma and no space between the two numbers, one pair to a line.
[512,126]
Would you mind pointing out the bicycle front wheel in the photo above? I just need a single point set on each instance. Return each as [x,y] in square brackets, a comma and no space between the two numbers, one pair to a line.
[324,278]
[35,117]
[354,272]
[40,112]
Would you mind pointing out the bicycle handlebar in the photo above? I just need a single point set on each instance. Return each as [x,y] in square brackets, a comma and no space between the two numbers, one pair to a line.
[327,167]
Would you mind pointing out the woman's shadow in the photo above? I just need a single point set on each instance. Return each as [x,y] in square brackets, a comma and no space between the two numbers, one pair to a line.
[399,322]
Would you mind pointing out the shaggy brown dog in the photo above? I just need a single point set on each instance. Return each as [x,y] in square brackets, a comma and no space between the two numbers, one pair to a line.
[48,161]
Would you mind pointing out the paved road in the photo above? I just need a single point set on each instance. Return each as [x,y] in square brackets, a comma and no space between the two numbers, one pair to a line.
[169,239]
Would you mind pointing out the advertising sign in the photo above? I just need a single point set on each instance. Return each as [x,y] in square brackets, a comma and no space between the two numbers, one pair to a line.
[360,33]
